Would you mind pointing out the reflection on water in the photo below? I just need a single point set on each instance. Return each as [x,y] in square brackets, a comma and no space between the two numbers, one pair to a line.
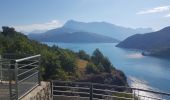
[142,84]
[135,55]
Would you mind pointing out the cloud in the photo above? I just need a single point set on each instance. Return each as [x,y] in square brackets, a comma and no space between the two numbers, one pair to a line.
[155,10]
[38,27]
[168,15]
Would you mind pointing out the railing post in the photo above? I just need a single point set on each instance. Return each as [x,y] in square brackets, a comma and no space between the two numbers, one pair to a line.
[16,80]
[91,91]
[52,89]
[1,70]
[134,96]
[10,79]
[39,71]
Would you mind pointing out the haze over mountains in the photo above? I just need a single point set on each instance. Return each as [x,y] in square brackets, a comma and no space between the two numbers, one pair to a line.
[67,35]
[106,29]
[75,37]
[156,43]
[74,31]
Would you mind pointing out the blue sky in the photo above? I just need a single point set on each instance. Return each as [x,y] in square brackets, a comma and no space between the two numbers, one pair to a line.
[29,15]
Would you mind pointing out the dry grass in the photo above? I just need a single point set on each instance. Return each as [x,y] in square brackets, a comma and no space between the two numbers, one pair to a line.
[81,64]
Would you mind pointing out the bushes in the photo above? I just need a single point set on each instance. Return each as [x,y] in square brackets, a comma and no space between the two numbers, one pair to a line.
[54,59]
[68,62]
[91,68]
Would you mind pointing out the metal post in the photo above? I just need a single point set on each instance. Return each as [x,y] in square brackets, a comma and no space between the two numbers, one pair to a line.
[52,90]
[0,70]
[91,91]
[138,95]
[10,79]
[134,96]
[16,80]
[39,72]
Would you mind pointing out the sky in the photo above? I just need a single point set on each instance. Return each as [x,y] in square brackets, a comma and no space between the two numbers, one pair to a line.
[31,15]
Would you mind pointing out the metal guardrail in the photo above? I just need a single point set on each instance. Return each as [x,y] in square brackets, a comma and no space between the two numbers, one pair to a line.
[4,77]
[64,90]
[23,75]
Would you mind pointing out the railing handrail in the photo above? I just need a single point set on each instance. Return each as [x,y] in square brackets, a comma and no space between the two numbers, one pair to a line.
[152,91]
[3,60]
[26,58]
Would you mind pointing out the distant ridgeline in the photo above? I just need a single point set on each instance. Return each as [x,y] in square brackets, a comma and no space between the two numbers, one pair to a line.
[92,32]
[63,64]
[154,43]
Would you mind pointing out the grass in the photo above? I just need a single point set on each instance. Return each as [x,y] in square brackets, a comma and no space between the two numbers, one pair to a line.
[124,95]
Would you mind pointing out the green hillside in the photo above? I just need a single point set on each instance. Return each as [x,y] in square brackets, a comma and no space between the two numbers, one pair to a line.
[62,64]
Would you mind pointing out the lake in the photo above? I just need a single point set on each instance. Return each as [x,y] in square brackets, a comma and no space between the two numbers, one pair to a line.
[142,71]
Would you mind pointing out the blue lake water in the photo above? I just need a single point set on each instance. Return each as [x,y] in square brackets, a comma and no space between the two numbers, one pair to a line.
[148,72]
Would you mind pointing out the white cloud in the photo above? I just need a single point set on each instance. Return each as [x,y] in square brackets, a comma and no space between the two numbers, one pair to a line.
[168,15]
[155,10]
[38,27]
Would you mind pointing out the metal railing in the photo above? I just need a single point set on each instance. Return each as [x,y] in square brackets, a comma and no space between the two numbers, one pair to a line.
[4,80]
[20,75]
[64,90]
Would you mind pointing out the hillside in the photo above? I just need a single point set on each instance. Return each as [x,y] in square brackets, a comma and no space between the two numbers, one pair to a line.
[104,28]
[65,35]
[155,43]
[62,64]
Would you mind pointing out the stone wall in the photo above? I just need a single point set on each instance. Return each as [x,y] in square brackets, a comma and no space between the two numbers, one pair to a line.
[42,92]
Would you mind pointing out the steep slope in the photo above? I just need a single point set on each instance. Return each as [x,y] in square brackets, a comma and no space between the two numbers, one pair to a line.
[155,42]
[106,29]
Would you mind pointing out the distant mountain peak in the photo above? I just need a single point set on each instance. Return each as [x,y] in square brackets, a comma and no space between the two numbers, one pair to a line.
[105,28]
[70,21]
[98,28]
[74,22]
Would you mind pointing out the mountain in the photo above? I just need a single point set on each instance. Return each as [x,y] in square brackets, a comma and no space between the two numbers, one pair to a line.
[156,43]
[105,28]
[88,32]
[68,35]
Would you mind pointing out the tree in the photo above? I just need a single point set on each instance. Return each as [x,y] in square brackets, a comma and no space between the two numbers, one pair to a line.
[100,67]
[107,65]
[68,62]
[83,55]
[8,31]
[97,57]
[102,63]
